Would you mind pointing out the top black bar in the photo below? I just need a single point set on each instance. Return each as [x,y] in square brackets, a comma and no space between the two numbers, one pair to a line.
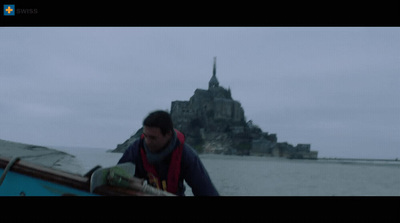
[201,14]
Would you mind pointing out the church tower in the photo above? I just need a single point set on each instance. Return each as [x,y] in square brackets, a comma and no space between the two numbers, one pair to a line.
[213,83]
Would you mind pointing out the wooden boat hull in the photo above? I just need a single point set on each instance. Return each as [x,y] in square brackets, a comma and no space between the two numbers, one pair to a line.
[16,184]
[27,179]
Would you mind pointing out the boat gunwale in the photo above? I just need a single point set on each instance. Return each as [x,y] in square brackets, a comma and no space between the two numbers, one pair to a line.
[47,174]
[64,178]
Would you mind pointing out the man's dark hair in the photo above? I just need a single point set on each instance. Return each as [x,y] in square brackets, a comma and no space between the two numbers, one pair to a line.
[160,119]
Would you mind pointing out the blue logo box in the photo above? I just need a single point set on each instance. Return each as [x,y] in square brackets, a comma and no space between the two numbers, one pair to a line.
[9,10]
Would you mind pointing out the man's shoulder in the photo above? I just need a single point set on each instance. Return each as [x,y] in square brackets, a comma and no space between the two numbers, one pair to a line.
[189,154]
[134,147]
[131,154]
[189,150]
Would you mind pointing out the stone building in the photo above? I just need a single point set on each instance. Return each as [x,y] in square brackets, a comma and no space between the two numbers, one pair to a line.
[213,122]
[212,105]
[212,115]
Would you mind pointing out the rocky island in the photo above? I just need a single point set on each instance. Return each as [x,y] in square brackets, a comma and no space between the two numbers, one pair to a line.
[213,122]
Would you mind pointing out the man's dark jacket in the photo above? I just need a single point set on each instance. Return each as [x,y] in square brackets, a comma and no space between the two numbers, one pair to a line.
[192,169]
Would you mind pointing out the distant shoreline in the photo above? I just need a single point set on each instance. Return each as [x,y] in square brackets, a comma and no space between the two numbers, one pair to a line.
[7,143]
[338,160]
[360,159]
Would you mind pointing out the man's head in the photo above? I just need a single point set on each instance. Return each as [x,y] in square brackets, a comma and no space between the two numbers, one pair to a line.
[157,130]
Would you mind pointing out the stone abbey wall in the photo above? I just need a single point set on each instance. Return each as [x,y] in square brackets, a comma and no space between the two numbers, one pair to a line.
[214,122]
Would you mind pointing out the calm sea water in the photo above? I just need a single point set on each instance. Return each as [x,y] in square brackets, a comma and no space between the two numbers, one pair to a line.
[261,176]
[265,176]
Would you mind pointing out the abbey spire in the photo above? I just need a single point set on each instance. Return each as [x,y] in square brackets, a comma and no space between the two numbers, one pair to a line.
[214,81]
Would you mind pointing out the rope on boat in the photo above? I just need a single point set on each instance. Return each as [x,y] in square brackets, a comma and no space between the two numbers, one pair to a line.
[9,165]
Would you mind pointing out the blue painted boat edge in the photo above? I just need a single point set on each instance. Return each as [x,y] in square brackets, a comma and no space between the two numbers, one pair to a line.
[22,174]
[16,184]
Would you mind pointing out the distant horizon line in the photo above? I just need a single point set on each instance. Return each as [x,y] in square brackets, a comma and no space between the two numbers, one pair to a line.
[396,159]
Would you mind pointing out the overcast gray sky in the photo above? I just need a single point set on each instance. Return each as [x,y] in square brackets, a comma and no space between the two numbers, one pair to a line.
[336,88]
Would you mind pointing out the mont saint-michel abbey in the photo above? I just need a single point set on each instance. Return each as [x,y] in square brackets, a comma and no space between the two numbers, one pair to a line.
[213,122]
[211,110]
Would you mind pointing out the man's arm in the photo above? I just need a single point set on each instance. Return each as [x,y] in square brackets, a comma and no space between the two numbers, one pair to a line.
[196,175]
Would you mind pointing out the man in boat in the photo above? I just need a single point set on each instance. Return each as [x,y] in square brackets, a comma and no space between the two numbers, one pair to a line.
[162,157]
